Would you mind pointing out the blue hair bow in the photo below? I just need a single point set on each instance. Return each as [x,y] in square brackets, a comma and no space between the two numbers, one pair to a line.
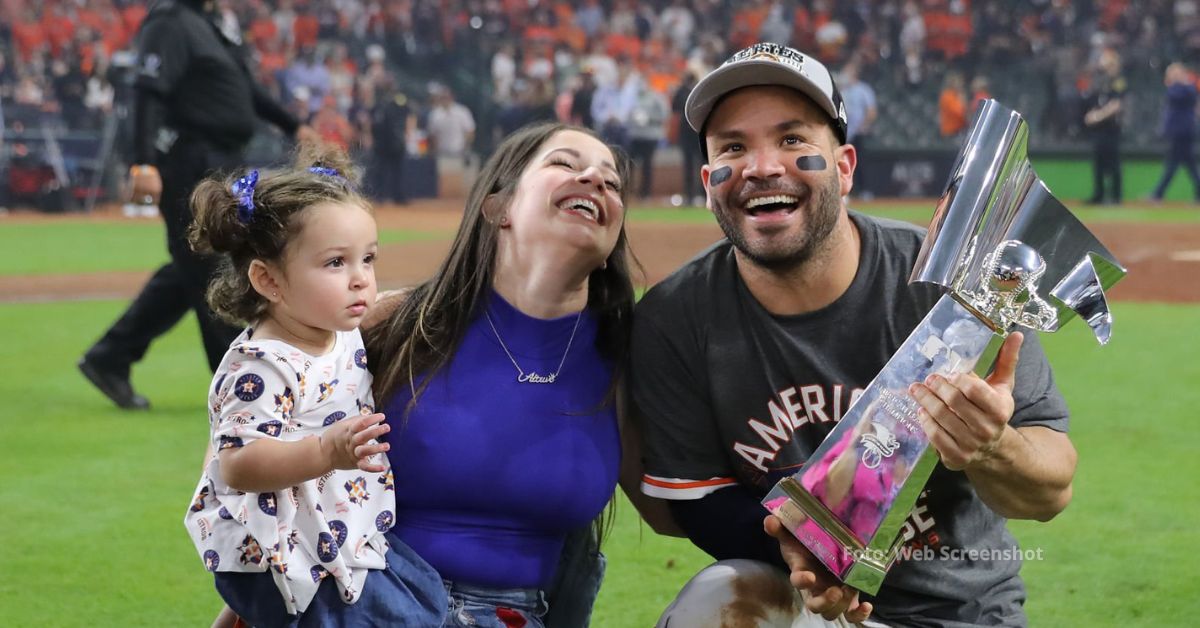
[333,174]
[329,172]
[243,189]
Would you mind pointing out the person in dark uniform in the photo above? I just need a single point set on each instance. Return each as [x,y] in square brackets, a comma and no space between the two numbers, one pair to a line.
[688,146]
[1104,120]
[389,129]
[1179,128]
[195,104]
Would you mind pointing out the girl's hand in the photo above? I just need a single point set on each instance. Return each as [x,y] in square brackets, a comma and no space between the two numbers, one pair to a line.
[347,443]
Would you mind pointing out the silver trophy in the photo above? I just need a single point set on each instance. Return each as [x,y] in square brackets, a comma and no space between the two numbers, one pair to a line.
[1008,254]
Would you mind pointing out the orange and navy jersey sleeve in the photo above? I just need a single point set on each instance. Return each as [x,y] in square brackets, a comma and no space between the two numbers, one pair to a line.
[677,488]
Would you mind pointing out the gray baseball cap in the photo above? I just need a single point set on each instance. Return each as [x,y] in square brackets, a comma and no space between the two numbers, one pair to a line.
[768,64]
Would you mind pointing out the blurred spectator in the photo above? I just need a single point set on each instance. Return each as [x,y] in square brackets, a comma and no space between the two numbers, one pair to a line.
[332,125]
[831,36]
[262,29]
[979,92]
[1179,129]
[306,29]
[29,92]
[861,111]
[590,17]
[678,23]
[686,138]
[29,34]
[747,23]
[285,20]
[451,125]
[70,88]
[297,103]
[622,29]
[566,67]
[272,65]
[376,67]
[504,73]
[603,67]
[308,73]
[100,92]
[647,129]
[912,43]
[539,62]
[1103,119]
[341,71]
[391,119]
[8,76]
[952,106]
[581,103]
[612,105]
[777,28]
[539,101]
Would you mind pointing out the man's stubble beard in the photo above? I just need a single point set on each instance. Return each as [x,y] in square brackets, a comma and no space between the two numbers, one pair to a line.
[820,219]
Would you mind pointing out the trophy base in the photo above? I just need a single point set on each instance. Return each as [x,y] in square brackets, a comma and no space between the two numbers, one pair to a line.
[830,540]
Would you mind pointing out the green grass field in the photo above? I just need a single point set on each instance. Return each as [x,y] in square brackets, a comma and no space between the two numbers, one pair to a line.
[62,247]
[93,498]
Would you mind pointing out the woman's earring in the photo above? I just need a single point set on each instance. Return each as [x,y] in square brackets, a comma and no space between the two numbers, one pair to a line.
[604,265]
[504,221]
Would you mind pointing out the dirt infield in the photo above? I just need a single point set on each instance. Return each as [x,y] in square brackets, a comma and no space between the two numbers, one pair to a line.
[1162,258]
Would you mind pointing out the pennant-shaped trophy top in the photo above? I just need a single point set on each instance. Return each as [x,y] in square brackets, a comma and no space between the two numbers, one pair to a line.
[1005,247]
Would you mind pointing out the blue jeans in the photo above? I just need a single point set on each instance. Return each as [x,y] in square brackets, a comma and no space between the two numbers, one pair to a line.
[580,573]
[408,592]
[484,607]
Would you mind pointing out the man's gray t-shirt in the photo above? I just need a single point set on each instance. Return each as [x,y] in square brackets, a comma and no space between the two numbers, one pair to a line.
[729,393]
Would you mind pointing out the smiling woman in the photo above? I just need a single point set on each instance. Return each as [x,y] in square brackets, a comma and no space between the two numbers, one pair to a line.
[500,377]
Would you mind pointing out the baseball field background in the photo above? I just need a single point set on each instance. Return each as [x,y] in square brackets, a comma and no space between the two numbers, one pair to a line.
[92,498]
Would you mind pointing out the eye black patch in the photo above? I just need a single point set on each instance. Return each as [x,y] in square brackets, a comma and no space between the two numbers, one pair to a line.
[811,162]
[720,175]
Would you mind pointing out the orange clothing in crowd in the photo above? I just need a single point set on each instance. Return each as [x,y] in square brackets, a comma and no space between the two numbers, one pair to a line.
[952,112]
[305,29]
[60,30]
[262,31]
[539,32]
[271,62]
[747,23]
[948,33]
[132,17]
[563,12]
[93,19]
[1111,12]
[333,127]
[28,37]
[572,35]
[978,97]
[628,46]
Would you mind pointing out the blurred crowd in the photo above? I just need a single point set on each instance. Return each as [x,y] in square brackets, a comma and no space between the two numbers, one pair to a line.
[465,72]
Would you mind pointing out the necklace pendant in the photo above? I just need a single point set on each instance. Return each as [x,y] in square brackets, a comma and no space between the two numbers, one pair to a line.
[535,378]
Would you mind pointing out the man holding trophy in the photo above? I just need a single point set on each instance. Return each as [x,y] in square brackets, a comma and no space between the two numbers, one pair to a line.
[746,358]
